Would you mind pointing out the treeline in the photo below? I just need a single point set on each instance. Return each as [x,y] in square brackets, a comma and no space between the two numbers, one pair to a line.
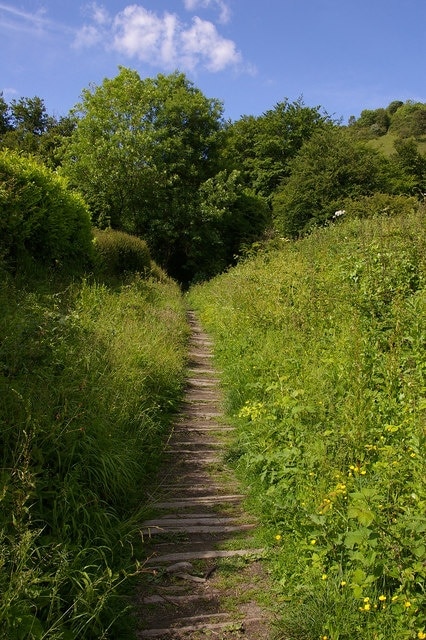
[155,158]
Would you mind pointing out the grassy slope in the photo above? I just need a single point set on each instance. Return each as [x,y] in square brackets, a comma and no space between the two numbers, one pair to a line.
[322,347]
[385,144]
[89,376]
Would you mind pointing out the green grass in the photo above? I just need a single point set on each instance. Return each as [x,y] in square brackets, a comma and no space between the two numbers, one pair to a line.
[90,376]
[385,144]
[321,343]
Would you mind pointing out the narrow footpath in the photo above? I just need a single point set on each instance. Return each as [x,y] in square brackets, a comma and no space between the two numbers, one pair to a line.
[203,575]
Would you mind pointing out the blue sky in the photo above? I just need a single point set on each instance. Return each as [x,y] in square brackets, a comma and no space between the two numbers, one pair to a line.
[342,55]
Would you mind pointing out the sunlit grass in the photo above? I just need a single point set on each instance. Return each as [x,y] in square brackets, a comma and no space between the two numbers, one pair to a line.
[90,376]
[321,343]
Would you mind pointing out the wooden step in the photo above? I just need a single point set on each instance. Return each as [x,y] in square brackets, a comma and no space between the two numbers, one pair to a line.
[198,500]
[205,555]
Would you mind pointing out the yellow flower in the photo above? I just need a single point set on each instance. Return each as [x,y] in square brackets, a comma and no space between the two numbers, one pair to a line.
[382,598]
[421,635]
[367,607]
[278,537]
[343,583]
[313,541]
[407,604]
[366,599]
[324,576]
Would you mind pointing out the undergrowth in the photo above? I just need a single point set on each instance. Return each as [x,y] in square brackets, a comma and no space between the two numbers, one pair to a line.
[322,346]
[89,376]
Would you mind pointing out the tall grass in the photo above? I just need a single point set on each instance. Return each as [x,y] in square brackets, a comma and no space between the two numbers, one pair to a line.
[89,378]
[322,347]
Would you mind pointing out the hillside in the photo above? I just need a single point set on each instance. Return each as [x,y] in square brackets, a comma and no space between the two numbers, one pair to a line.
[321,343]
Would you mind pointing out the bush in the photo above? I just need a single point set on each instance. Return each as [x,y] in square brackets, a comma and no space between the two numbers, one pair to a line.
[380,204]
[117,252]
[40,219]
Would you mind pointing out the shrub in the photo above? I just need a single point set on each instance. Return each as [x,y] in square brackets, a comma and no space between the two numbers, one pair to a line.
[380,204]
[40,218]
[117,252]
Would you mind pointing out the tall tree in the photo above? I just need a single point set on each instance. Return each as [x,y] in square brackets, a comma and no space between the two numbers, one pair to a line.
[5,123]
[139,154]
[262,147]
[331,167]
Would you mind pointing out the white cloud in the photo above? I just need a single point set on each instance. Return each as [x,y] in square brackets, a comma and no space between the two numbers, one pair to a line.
[19,21]
[224,10]
[160,40]
[87,36]
[139,33]
[100,14]
[202,41]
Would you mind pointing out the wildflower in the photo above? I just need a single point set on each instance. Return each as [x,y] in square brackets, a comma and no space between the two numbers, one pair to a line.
[278,537]
[343,583]
[382,598]
[324,576]
[421,635]
[367,607]
[407,604]
[313,541]
[394,598]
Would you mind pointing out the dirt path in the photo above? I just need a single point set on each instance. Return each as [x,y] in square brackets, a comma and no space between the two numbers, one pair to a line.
[203,575]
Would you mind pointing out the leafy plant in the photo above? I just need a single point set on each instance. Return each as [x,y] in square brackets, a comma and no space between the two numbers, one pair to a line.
[41,220]
[321,343]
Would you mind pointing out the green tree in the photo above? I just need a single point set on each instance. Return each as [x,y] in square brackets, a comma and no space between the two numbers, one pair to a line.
[372,122]
[139,154]
[5,123]
[25,125]
[410,120]
[262,147]
[330,167]
[412,163]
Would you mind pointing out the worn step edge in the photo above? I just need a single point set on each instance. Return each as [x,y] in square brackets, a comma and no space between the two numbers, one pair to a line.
[154,531]
[186,502]
[156,598]
[203,520]
[218,626]
[204,555]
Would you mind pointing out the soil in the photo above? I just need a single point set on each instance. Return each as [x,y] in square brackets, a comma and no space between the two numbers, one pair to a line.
[203,575]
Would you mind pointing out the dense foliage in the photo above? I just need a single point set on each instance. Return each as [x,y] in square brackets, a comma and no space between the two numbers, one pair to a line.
[41,220]
[88,378]
[321,343]
[117,253]
[141,153]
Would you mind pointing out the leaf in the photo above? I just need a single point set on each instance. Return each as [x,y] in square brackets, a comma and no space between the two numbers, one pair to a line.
[359,576]
[362,513]
[29,627]
[358,536]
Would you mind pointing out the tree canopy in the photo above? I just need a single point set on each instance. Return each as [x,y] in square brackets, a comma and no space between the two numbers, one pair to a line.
[330,167]
[139,154]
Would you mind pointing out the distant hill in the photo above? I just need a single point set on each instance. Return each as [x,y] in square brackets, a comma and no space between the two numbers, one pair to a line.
[385,125]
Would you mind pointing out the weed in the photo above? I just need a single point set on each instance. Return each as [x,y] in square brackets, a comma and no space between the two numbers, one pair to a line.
[321,344]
